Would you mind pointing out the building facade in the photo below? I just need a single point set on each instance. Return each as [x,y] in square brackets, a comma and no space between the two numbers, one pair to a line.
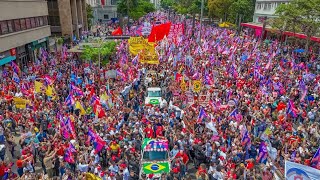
[266,9]
[24,30]
[104,13]
[67,18]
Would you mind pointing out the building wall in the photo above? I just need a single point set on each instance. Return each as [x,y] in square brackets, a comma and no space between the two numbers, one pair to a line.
[24,29]
[266,8]
[21,38]
[106,12]
[68,17]
[14,9]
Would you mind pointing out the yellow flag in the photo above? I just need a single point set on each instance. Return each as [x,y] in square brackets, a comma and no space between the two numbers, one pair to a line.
[49,91]
[79,106]
[104,97]
[90,176]
[37,86]
[20,103]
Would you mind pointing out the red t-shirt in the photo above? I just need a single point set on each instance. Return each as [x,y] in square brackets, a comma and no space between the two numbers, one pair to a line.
[2,168]
[184,156]
[149,132]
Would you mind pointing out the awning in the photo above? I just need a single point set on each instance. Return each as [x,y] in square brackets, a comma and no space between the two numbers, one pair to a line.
[301,36]
[7,60]
[250,25]
[288,33]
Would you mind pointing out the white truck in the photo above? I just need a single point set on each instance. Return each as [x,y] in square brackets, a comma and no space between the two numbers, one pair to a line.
[154,97]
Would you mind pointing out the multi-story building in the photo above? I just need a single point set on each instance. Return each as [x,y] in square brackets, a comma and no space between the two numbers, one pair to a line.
[266,9]
[104,13]
[67,18]
[24,30]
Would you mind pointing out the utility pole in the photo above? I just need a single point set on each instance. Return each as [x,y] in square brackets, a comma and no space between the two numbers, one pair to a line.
[202,4]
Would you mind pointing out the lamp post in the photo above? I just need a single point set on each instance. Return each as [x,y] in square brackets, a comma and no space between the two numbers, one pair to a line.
[202,4]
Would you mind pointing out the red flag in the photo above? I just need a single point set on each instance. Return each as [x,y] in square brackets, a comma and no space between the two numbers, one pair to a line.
[158,32]
[116,32]
[103,2]
[97,108]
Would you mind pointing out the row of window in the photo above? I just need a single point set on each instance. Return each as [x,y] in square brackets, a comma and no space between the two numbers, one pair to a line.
[16,25]
[267,6]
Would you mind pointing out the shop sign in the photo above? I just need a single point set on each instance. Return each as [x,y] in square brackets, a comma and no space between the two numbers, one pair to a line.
[5,54]
[41,40]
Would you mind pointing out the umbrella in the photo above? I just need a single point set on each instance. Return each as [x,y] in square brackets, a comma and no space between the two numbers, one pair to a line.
[299,50]
[267,41]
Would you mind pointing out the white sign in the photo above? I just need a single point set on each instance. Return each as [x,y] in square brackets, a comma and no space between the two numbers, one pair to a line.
[146,29]
[41,40]
[294,171]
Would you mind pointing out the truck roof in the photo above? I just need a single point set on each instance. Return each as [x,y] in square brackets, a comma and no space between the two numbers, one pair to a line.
[154,89]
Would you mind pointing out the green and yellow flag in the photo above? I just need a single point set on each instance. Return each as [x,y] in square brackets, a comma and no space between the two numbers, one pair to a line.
[156,168]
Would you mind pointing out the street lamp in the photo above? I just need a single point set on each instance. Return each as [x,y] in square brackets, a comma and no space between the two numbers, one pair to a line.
[202,4]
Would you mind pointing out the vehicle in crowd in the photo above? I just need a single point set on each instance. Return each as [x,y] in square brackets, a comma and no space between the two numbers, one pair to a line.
[154,97]
[155,158]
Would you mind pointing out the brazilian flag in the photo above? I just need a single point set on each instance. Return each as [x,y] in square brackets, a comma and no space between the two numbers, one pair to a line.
[156,168]
[154,101]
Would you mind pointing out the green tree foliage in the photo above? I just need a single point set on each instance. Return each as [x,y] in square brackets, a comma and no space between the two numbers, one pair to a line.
[135,8]
[165,4]
[187,6]
[89,16]
[106,50]
[231,9]
[241,7]
[218,8]
[300,16]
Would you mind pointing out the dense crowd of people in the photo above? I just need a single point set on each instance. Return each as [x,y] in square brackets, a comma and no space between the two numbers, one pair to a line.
[78,123]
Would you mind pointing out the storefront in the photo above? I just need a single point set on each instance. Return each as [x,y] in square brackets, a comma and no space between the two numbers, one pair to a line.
[22,56]
[37,45]
[7,56]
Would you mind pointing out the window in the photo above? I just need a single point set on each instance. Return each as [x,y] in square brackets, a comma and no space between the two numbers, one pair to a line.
[33,22]
[106,16]
[17,25]
[37,21]
[267,6]
[28,23]
[114,2]
[40,21]
[45,20]
[10,26]
[23,24]
[259,6]
[4,27]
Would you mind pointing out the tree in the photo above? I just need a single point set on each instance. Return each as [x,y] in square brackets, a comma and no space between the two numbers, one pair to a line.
[106,50]
[135,8]
[89,16]
[219,8]
[301,16]
[241,7]
[231,9]
[165,4]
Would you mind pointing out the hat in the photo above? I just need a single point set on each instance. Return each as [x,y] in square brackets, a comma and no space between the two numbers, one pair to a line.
[123,166]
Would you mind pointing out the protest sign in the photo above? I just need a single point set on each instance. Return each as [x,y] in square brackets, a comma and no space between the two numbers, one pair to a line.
[299,171]
[150,58]
[139,44]
[20,103]
[111,74]
[204,100]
